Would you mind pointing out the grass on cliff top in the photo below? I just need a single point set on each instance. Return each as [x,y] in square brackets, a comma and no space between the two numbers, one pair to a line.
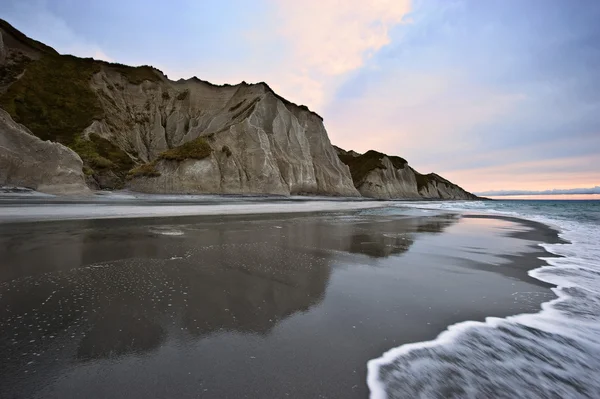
[134,75]
[362,165]
[423,180]
[195,149]
[398,162]
[54,98]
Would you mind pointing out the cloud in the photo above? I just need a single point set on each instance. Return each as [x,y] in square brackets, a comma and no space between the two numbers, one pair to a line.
[489,95]
[418,115]
[326,40]
[333,37]
[499,193]
[304,50]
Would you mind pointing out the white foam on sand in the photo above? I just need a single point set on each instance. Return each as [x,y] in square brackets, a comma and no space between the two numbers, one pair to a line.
[553,353]
[166,231]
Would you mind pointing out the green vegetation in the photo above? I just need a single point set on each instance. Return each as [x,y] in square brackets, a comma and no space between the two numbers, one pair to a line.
[423,180]
[87,171]
[398,162]
[360,166]
[54,99]
[195,149]
[13,67]
[165,95]
[146,170]
[134,75]
[100,154]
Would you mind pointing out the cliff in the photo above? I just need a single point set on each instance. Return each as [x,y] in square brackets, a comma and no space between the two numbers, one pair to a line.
[378,175]
[133,127]
[123,120]
[27,161]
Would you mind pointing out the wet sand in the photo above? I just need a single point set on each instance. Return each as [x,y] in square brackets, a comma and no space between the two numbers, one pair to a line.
[246,306]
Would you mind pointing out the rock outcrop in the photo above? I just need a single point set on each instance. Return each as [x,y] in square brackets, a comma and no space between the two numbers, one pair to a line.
[377,175]
[27,161]
[260,143]
[118,117]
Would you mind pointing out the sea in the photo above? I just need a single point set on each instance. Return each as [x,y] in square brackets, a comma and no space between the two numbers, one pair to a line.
[554,353]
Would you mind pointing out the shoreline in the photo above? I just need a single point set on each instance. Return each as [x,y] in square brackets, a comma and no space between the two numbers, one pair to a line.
[556,248]
[420,253]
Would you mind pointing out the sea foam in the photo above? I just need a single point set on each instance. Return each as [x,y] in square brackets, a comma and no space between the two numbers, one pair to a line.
[553,353]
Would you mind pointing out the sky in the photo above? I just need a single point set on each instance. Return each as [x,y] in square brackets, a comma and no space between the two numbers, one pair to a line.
[491,94]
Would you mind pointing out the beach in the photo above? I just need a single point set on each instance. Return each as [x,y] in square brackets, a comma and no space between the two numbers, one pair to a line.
[279,304]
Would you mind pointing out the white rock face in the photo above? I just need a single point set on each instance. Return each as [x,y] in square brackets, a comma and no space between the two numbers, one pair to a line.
[261,143]
[27,161]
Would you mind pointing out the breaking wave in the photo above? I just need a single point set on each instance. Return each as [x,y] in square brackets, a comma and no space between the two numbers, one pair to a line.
[553,353]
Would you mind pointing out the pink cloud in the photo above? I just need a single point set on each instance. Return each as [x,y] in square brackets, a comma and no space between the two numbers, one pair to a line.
[411,114]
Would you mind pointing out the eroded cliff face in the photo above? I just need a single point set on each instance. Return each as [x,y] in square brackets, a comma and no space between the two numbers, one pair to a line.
[378,175]
[260,143]
[27,161]
[118,117]
[434,186]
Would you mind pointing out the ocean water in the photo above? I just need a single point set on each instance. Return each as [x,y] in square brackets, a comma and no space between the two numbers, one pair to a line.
[551,354]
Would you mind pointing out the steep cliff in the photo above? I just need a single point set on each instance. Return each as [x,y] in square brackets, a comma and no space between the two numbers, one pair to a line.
[133,127]
[27,161]
[122,120]
[378,175]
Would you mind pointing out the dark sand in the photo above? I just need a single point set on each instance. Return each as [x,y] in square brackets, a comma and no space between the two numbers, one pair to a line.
[245,306]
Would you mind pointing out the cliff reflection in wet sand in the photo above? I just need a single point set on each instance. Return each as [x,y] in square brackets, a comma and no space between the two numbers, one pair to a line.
[81,291]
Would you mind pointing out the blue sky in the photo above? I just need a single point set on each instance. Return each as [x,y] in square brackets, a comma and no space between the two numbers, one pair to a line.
[493,94]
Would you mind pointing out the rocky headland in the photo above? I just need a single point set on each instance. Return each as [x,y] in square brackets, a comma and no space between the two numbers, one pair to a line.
[89,124]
